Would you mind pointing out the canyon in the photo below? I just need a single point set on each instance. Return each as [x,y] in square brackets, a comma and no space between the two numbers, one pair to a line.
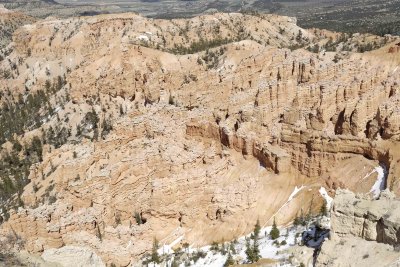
[139,129]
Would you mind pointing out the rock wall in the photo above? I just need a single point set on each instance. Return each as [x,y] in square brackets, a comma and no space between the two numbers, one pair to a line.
[364,231]
[372,220]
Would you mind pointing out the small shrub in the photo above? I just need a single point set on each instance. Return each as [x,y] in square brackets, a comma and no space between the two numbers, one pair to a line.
[98,234]
[214,246]
[52,199]
[118,218]
[197,255]
[229,261]
[138,218]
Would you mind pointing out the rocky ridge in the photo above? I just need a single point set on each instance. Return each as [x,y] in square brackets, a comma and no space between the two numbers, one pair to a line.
[9,22]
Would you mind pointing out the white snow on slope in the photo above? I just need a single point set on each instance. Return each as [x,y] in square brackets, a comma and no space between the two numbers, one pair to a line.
[266,246]
[212,260]
[380,181]
[143,38]
[167,249]
[369,174]
[294,193]
[327,198]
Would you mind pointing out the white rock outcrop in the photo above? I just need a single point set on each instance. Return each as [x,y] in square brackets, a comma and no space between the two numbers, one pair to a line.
[70,256]
[358,215]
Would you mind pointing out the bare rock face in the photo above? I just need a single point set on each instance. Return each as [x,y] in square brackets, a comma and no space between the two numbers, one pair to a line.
[373,220]
[355,251]
[364,231]
[73,256]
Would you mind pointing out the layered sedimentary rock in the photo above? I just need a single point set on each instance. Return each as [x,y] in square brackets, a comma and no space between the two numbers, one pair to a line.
[200,145]
[364,231]
[373,220]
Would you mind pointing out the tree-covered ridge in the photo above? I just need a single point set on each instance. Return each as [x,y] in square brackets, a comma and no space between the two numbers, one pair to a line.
[28,112]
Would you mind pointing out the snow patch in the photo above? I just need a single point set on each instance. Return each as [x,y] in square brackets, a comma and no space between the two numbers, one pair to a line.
[143,38]
[327,198]
[379,184]
[294,193]
[211,260]
[272,249]
[368,174]
[167,249]
[267,246]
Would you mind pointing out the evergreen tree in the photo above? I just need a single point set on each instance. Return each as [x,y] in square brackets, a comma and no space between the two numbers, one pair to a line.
[229,261]
[154,253]
[274,231]
[249,251]
[256,250]
[252,250]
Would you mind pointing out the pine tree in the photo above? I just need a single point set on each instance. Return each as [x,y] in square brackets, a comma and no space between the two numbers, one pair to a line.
[274,231]
[154,253]
[249,251]
[252,250]
[256,250]
[229,261]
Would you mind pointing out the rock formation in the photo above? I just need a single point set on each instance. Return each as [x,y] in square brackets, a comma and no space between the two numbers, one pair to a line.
[372,220]
[194,128]
[364,231]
